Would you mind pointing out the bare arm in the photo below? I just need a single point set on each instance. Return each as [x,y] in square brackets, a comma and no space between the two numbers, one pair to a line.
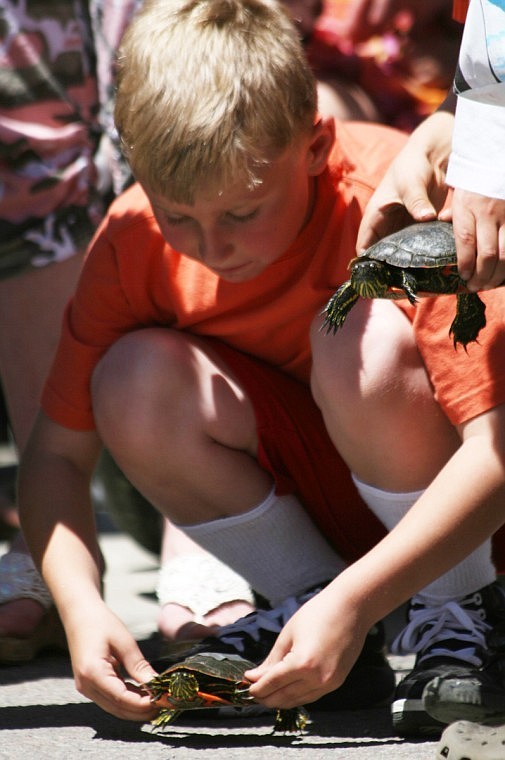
[58,524]
[461,508]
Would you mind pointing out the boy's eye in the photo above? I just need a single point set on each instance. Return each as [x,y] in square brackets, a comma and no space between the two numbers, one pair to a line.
[242,217]
[174,220]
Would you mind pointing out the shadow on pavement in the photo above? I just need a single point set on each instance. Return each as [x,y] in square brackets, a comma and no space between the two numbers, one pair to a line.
[226,734]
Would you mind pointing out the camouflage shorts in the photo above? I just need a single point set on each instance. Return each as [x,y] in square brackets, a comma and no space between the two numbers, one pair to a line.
[54,111]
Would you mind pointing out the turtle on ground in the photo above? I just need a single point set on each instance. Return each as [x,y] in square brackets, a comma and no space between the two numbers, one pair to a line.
[417,260]
[211,679]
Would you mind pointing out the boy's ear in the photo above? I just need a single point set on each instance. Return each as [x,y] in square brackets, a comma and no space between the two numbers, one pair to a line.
[320,145]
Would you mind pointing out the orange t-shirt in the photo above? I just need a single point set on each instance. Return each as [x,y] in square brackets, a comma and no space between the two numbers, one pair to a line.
[132,278]
[460,9]
[465,383]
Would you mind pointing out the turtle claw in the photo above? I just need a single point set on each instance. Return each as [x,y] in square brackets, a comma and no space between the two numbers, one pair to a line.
[338,307]
[242,692]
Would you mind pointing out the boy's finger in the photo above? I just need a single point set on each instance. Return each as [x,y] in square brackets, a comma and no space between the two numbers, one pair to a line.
[119,698]
[139,669]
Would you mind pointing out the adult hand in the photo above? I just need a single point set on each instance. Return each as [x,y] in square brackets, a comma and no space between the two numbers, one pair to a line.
[479,229]
[103,654]
[413,188]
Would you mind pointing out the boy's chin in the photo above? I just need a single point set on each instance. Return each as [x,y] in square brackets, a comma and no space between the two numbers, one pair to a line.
[241,273]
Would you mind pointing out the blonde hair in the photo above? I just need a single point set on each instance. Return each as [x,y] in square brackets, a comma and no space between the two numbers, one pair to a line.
[208,91]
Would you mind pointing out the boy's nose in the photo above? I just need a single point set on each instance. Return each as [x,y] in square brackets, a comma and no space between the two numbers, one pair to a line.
[214,247]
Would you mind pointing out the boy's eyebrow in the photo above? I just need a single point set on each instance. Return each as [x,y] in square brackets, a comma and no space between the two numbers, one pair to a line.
[239,205]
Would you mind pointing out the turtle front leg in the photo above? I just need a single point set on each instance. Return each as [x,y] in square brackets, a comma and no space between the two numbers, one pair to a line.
[469,320]
[339,306]
[409,286]
[165,717]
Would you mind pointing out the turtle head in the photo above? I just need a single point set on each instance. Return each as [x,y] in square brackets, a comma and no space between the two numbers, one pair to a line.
[369,278]
[183,685]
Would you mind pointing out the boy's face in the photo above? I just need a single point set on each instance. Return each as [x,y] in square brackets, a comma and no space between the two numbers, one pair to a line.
[239,232]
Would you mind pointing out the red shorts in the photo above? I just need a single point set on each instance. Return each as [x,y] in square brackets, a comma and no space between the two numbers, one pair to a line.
[296,449]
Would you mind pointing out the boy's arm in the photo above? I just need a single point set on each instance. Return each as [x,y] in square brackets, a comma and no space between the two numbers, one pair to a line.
[58,523]
[461,508]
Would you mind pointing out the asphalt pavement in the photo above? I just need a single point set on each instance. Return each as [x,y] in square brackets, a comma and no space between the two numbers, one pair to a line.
[43,716]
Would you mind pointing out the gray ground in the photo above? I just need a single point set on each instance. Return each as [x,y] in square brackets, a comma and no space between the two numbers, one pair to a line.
[42,715]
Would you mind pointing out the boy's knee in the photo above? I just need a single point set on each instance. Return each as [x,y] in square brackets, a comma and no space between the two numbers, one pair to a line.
[368,360]
[135,371]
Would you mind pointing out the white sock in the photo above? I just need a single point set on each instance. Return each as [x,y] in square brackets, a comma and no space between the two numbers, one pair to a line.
[474,572]
[275,546]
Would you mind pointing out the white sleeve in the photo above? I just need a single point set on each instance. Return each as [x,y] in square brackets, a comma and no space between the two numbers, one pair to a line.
[477,161]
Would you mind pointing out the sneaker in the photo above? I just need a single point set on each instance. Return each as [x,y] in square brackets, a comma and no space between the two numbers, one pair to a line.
[479,697]
[370,683]
[450,643]
[469,741]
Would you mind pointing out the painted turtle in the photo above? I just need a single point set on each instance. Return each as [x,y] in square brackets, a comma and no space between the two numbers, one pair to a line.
[211,679]
[420,259]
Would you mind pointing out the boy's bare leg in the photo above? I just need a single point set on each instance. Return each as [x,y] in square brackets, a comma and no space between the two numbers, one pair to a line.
[179,426]
[372,387]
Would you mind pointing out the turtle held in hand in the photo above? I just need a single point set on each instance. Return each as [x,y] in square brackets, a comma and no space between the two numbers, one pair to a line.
[211,679]
[418,260]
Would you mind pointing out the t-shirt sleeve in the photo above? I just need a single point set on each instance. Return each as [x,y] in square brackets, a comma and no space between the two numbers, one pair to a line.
[479,125]
[98,314]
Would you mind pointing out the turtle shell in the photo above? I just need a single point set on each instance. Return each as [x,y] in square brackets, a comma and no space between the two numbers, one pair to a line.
[228,667]
[422,245]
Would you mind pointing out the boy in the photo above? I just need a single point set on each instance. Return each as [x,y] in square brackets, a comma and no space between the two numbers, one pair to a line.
[186,352]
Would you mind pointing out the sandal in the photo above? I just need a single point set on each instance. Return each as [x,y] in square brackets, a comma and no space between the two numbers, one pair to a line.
[201,583]
[20,579]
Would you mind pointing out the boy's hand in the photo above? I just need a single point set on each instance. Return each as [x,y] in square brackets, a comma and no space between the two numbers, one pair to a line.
[479,229]
[103,652]
[312,656]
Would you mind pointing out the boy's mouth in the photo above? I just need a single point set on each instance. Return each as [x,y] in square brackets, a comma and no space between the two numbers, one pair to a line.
[227,272]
